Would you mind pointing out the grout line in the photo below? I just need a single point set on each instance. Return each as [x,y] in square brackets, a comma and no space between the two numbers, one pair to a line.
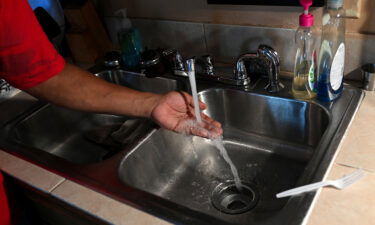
[355,167]
[56,185]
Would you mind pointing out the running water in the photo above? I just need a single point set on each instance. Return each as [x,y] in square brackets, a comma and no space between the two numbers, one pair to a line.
[195,95]
[218,142]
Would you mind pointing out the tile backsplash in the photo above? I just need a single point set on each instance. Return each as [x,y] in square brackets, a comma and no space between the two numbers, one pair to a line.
[187,37]
[226,42]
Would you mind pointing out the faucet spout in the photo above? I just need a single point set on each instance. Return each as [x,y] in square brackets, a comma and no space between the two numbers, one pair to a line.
[273,61]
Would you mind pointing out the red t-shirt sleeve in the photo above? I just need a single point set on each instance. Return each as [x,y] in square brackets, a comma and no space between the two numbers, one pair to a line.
[27,58]
[4,210]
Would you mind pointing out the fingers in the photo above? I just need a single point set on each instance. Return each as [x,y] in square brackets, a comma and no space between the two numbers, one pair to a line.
[206,131]
[213,126]
[202,105]
[199,131]
[210,120]
[213,131]
[209,128]
[207,122]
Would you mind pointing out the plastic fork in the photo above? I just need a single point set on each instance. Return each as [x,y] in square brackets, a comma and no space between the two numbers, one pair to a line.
[341,183]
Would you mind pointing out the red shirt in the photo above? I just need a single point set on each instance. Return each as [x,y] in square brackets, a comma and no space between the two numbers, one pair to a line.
[27,58]
[4,209]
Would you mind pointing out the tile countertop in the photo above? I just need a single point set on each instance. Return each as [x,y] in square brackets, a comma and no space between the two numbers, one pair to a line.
[353,205]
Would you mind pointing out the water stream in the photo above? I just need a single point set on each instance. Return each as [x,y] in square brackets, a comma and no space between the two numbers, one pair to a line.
[193,86]
[218,142]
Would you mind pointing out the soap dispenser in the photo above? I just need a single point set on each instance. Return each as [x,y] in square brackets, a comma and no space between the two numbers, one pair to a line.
[332,52]
[130,42]
[119,23]
[304,77]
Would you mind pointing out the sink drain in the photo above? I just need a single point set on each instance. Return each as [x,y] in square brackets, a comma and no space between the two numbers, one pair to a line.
[227,199]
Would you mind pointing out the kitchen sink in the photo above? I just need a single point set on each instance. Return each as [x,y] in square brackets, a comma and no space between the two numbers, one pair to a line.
[270,141]
[81,137]
[275,141]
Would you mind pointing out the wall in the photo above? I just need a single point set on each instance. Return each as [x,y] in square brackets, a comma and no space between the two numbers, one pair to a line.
[227,31]
[200,11]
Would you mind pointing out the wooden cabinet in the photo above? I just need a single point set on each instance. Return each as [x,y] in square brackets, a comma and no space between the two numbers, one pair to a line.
[86,36]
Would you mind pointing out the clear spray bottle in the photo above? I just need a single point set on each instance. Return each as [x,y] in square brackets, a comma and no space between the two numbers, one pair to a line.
[304,80]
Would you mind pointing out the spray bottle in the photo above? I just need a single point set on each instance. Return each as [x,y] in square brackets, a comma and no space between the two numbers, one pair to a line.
[304,79]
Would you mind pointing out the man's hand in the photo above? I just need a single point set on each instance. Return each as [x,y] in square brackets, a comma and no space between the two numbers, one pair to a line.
[175,111]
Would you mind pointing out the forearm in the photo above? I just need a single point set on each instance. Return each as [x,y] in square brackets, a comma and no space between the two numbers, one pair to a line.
[77,89]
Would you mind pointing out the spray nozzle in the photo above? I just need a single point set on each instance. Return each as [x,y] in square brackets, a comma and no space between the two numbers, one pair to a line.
[306,19]
[306,5]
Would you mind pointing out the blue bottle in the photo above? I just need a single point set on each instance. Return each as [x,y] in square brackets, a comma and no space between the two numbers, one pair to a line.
[332,52]
[130,41]
[131,48]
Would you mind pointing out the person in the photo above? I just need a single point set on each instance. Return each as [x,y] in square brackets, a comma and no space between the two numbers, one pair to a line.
[29,62]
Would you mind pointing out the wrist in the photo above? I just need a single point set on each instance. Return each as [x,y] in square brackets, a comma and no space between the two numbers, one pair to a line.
[150,104]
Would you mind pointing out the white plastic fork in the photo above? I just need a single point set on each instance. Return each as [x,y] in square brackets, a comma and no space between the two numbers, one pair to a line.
[339,184]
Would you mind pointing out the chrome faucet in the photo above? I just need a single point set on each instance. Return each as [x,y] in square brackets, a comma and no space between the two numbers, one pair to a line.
[178,67]
[273,60]
[207,65]
[270,58]
[240,72]
[4,86]
[7,91]
[266,57]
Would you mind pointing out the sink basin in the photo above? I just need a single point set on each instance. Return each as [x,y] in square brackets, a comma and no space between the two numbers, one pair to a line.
[62,132]
[270,140]
[83,138]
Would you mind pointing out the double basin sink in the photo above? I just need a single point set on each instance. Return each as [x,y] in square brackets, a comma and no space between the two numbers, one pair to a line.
[275,142]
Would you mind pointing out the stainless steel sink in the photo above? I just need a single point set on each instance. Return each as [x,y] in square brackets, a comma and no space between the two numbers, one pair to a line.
[84,138]
[140,82]
[270,141]
[276,143]
[62,132]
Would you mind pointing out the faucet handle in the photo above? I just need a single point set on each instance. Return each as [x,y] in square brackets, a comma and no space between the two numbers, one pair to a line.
[206,64]
[178,67]
[179,64]
[4,86]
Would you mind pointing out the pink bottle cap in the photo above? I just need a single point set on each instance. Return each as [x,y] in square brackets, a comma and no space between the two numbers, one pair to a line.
[306,19]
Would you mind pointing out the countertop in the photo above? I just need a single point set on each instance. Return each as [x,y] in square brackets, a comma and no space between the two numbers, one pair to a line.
[353,205]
